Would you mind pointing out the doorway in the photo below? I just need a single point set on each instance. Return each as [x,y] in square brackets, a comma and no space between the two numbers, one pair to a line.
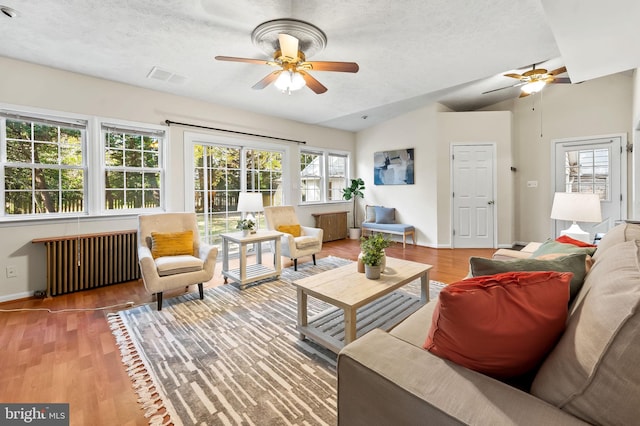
[473,202]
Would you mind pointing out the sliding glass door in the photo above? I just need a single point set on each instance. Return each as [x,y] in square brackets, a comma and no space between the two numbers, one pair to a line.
[221,172]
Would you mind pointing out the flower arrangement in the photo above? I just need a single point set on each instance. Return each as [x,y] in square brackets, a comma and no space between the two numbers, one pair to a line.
[246,225]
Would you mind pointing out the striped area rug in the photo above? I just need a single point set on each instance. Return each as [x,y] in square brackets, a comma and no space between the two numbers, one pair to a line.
[233,358]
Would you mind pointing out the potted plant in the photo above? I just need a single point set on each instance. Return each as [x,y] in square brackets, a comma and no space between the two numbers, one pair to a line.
[352,192]
[373,255]
[247,226]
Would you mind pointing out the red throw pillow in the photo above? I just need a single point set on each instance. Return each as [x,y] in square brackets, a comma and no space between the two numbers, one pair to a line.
[501,325]
[568,240]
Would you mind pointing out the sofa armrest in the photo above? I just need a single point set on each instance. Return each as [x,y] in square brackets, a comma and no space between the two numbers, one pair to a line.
[508,254]
[385,380]
[147,263]
[208,254]
[312,232]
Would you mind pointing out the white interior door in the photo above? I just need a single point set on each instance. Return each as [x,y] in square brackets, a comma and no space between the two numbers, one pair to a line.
[595,165]
[473,205]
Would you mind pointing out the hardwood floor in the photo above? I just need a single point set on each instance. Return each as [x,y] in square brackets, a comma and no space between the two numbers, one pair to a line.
[71,357]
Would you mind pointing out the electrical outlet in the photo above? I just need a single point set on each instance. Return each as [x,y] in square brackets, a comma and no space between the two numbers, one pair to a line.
[532,184]
[12,272]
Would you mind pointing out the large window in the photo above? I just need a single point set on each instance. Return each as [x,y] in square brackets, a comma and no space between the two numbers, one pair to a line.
[133,172]
[43,165]
[221,172]
[323,176]
[55,165]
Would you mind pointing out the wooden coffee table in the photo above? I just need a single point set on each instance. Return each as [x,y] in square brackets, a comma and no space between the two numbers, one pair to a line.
[348,290]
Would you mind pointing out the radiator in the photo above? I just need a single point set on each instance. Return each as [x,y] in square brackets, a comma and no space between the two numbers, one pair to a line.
[82,262]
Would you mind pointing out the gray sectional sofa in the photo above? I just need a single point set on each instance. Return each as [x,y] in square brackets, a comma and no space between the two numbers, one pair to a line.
[590,377]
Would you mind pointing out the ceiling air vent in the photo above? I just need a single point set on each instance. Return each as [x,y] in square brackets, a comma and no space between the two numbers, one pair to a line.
[164,75]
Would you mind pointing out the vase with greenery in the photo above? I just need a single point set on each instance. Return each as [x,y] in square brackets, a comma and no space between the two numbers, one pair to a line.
[373,255]
[353,192]
[247,226]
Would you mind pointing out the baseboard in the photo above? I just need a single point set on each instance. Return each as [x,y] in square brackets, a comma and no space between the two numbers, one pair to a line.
[16,296]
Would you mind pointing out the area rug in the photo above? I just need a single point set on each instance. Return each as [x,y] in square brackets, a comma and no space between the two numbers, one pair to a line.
[232,358]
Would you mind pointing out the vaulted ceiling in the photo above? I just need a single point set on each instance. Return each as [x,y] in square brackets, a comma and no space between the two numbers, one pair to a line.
[410,52]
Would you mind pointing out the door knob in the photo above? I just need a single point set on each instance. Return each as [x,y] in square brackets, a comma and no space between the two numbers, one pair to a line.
[490,202]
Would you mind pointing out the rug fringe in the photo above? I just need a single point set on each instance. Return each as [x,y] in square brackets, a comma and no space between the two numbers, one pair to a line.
[148,396]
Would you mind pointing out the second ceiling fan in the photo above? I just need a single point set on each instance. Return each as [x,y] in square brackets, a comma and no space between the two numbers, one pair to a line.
[288,39]
[534,80]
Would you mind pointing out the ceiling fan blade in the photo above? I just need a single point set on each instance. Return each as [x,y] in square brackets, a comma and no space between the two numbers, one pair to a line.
[330,66]
[513,75]
[561,80]
[508,87]
[312,83]
[270,78]
[558,71]
[288,47]
[247,60]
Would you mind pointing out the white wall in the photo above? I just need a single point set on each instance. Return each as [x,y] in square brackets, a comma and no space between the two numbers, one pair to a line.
[30,85]
[597,107]
[415,204]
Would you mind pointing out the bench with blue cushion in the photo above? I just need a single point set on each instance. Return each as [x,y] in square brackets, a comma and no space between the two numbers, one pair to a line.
[383,219]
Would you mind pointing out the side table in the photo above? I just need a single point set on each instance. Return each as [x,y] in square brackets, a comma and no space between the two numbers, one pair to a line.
[246,274]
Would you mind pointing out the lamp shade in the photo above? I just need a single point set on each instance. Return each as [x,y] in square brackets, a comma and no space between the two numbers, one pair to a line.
[250,202]
[576,207]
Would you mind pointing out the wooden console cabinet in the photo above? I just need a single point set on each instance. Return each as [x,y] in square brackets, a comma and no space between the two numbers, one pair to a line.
[334,225]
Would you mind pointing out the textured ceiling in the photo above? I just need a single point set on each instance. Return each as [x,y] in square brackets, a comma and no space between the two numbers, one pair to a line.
[410,52]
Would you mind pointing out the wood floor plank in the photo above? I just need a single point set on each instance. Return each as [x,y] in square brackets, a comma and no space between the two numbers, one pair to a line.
[72,357]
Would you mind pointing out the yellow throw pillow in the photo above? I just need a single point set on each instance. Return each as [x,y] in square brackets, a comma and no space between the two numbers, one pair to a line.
[171,244]
[290,229]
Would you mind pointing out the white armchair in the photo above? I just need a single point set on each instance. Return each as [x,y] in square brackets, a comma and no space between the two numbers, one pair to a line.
[167,259]
[307,243]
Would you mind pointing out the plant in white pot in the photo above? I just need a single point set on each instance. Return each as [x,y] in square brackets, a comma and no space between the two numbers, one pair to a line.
[353,192]
[373,255]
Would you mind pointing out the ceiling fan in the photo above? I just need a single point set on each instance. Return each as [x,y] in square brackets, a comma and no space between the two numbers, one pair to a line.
[534,80]
[286,40]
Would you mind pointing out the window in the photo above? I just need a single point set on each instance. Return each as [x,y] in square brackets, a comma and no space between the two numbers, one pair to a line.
[133,173]
[43,165]
[323,176]
[587,170]
[310,177]
[221,172]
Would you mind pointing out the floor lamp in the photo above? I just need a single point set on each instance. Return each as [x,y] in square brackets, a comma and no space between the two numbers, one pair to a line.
[576,207]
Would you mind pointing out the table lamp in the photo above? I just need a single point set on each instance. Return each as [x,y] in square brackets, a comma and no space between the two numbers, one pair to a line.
[576,207]
[250,203]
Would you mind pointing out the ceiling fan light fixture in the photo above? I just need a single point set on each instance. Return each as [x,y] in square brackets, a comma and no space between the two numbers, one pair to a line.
[289,81]
[533,87]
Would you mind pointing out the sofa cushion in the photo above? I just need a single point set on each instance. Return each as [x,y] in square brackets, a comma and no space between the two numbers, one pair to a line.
[575,263]
[171,244]
[593,371]
[618,234]
[172,265]
[551,246]
[370,214]
[500,325]
[385,214]
[568,240]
